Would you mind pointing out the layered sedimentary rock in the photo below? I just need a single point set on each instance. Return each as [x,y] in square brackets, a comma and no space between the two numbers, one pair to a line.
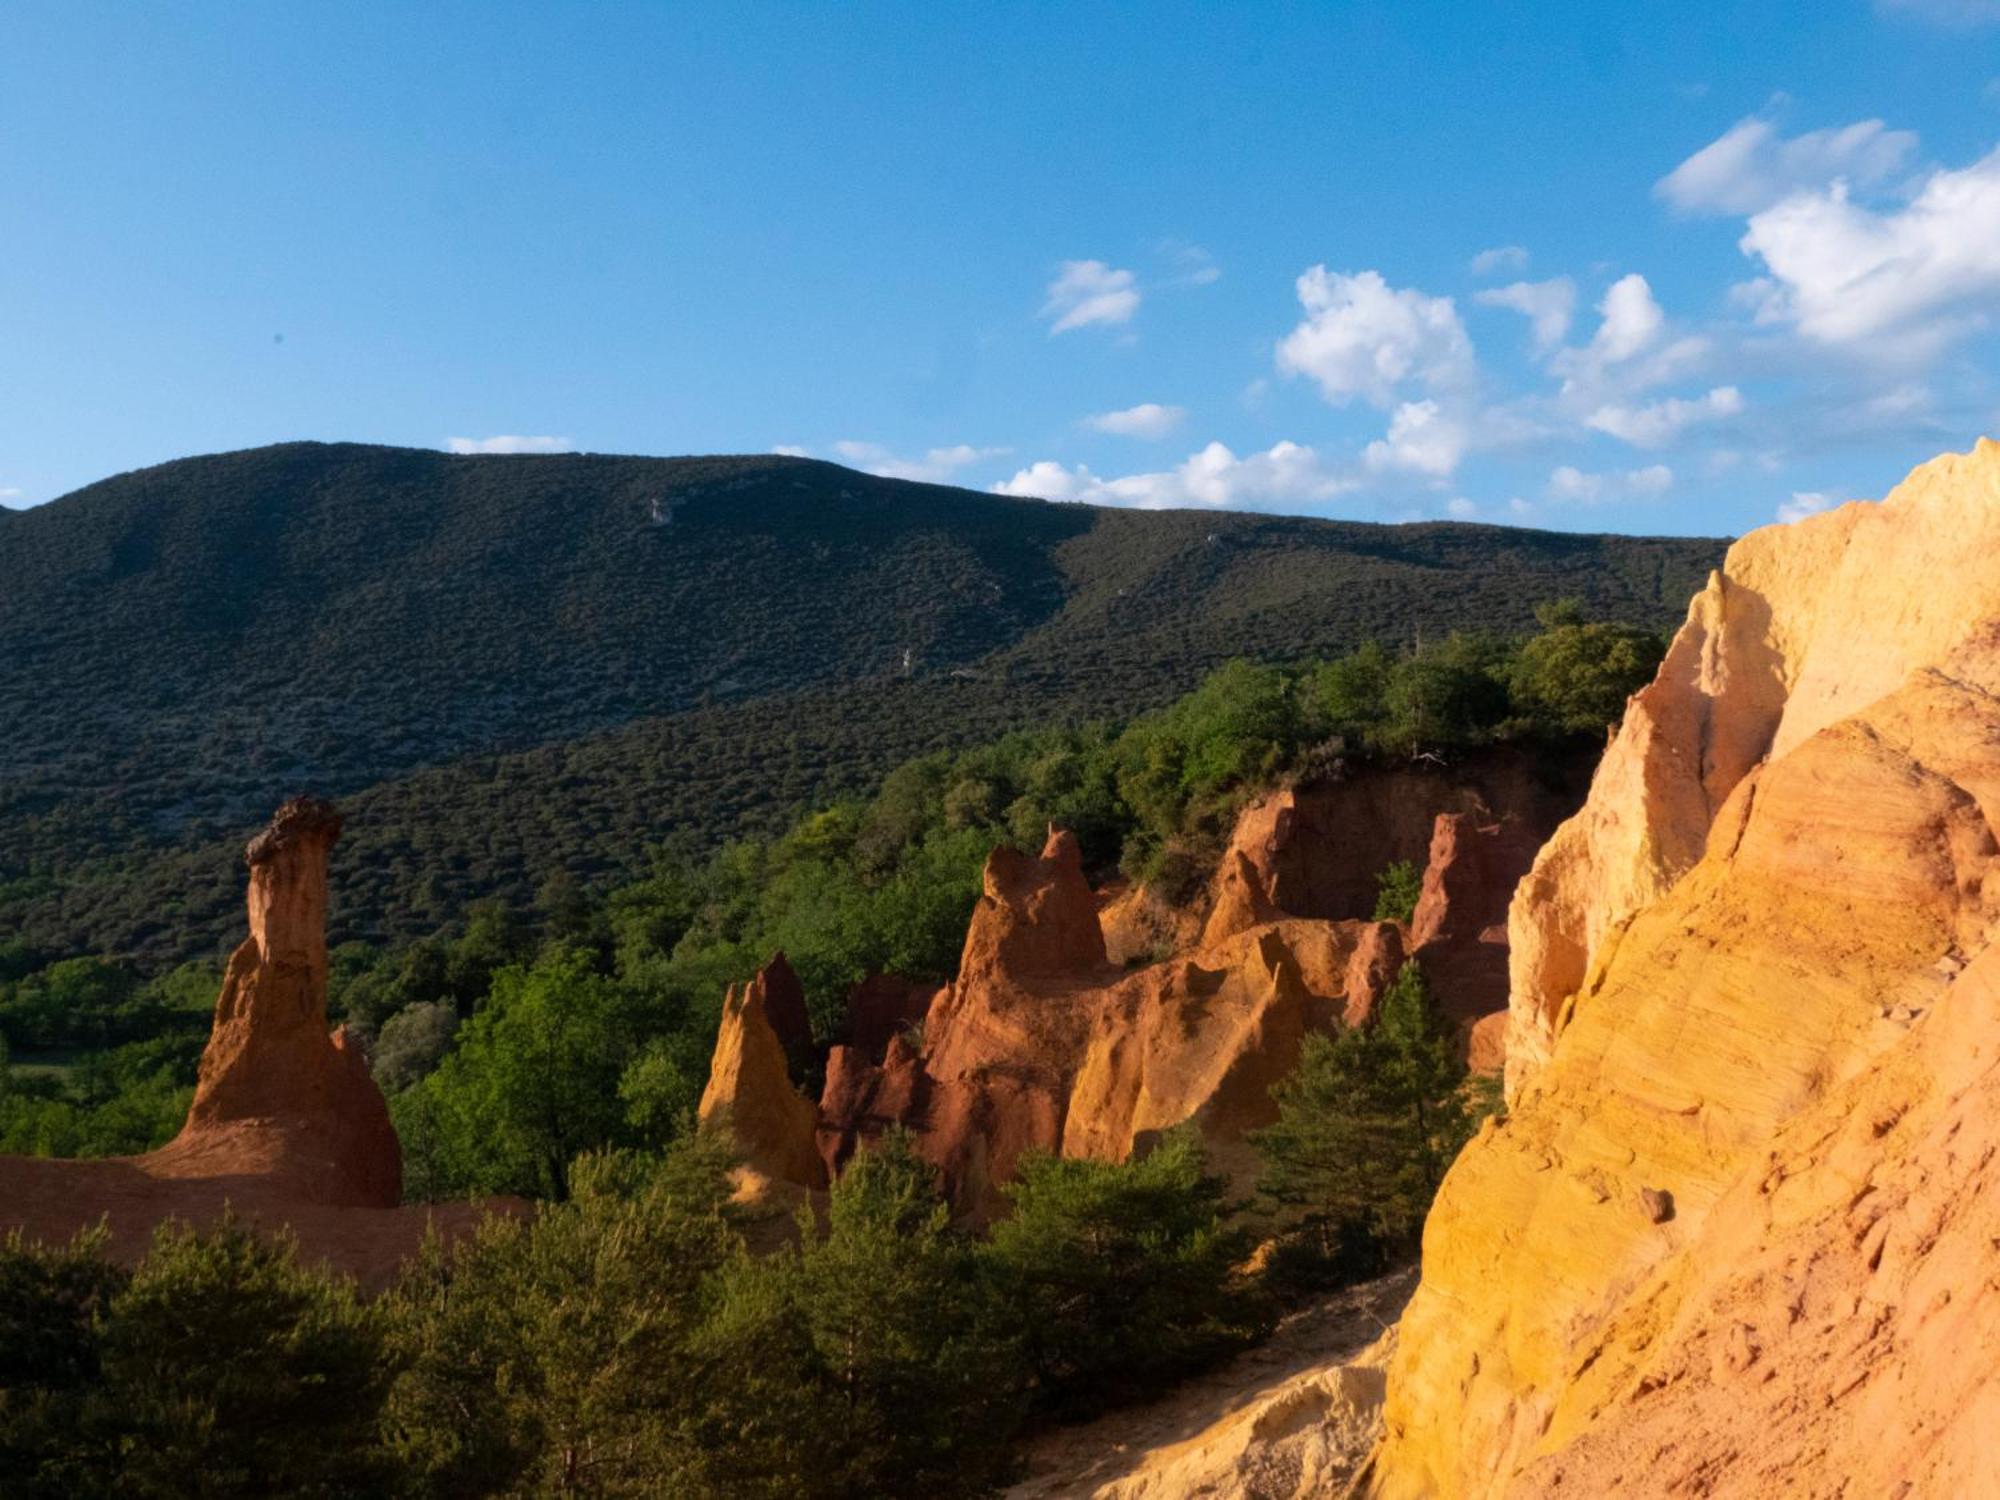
[277,1097]
[750,1090]
[1736,1235]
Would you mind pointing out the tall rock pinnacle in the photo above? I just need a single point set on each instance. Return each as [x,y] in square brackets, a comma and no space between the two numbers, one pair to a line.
[277,1095]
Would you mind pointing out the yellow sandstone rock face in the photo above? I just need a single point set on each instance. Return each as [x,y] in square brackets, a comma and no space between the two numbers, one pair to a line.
[1749,939]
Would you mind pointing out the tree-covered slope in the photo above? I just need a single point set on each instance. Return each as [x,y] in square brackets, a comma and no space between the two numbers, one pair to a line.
[509,668]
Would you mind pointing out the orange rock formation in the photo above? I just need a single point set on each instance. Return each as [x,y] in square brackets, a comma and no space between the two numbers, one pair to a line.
[286,1129]
[750,1088]
[277,1097]
[1044,1042]
[1737,1235]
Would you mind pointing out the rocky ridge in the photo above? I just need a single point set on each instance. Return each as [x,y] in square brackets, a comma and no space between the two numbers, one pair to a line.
[1736,1235]
[1058,1034]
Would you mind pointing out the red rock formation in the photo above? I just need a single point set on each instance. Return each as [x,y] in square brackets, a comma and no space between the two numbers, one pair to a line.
[277,1097]
[881,1008]
[750,1090]
[1036,917]
[1318,848]
[785,1008]
[1240,900]
[1459,930]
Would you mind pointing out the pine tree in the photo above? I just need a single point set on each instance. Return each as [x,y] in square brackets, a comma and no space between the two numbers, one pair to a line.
[1367,1124]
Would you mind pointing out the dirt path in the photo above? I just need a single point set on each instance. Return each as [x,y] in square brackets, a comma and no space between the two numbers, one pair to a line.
[1287,1418]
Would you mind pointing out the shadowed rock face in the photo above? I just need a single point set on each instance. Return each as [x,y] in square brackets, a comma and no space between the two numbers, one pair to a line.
[1737,1234]
[277,1096]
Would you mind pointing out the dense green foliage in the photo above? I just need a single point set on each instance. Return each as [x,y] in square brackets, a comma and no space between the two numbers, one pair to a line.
[1366,1126]
[506,674]
[95,1062]
[1122,1275]
[623,1343]
[220,1367]
[585,1022]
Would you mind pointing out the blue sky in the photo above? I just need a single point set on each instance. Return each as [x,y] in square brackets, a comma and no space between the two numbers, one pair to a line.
[1607,267]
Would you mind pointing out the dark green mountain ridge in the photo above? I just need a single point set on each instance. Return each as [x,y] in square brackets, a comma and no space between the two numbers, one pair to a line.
[508,667]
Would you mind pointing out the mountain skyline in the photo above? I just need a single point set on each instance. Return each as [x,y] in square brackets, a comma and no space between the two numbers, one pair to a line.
[1571,268]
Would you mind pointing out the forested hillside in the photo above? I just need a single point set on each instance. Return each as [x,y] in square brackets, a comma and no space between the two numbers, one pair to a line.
[519,668]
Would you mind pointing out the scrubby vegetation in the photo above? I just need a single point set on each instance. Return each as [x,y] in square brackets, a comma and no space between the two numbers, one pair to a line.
[507,674]
[585,1023]
[625,1342]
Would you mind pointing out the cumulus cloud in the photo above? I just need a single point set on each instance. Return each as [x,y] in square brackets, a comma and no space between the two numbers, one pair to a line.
[935,467]
[1656,423]
[1363,337]
[511,443]
[1423,439]
[1547,305]
[1806,503]
[1284,474]
[1631,320]
[1499,259]
[1148,419]
[11,497]
[1750,166]
[1908,279]
[1575,486]
[1087,292]
[790,450]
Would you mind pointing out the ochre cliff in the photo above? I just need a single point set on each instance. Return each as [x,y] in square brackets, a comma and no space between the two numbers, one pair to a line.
[1736,1236]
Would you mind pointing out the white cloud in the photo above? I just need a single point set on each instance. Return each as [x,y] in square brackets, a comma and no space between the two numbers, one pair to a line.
[1423,439]
[935,467]
[1148,419]
[1283,475]
[1573,485]
[1500,258]
[1087,292]
[1632,320]
[1658,423]
[1362,337]
[1547,305]
[511,443]
[1460,509]
[1806,503]
[790,450]
[9,497]
[1750,166]
[1906,280]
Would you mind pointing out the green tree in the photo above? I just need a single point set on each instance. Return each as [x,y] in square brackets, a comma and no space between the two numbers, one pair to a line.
[1575,678]
[879,1352]
[557,1353]
[1121,1276]
[1367,1124]
[531,1082]
[220,1367]
[1398,887]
